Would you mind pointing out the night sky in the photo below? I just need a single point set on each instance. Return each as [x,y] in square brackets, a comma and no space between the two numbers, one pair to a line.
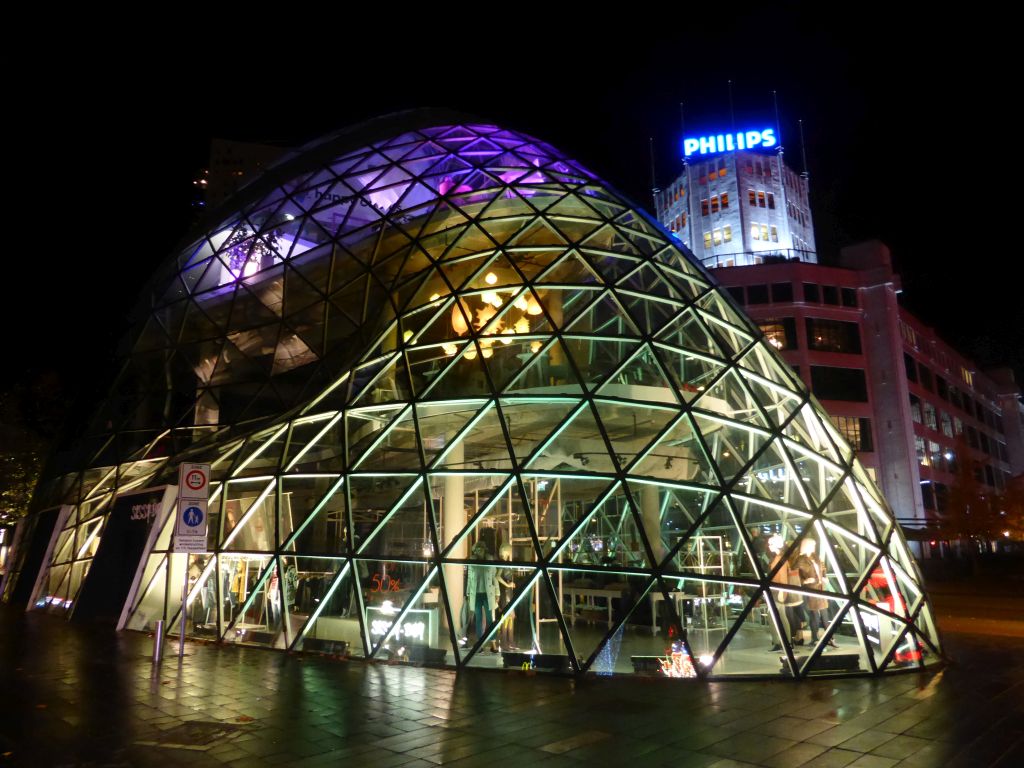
[906,141]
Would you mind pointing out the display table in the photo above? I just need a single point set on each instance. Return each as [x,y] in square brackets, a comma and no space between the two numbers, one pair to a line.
[585,598]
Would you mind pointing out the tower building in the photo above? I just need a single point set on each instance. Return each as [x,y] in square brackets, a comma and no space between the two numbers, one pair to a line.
[908,402]
[737,203]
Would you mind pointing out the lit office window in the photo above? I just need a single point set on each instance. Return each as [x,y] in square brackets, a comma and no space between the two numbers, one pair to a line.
[727,233]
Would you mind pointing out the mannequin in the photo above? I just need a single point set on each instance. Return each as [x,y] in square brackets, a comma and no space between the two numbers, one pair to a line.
[812,576]
[507,586]
[481,590]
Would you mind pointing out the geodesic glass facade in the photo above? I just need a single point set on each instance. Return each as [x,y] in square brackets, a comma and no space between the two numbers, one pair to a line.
[467,405]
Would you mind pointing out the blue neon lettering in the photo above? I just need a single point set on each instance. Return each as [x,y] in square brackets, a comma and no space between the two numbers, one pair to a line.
[729,142]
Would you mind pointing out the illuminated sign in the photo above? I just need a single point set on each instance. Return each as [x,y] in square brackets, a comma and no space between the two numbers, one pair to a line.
[729,142]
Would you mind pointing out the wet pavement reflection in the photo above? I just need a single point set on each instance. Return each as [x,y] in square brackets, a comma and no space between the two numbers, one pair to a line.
[73,695]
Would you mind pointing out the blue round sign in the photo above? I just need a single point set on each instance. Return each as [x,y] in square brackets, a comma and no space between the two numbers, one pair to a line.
[192,516]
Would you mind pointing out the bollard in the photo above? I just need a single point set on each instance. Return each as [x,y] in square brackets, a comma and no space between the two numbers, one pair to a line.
[158,641]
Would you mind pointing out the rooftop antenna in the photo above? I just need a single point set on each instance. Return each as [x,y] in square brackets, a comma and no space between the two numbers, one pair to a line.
[803,150]
[778,125]
[682,126]
[732,111]
[654,185]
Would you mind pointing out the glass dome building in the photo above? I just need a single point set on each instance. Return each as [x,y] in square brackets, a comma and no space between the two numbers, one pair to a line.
[466,405]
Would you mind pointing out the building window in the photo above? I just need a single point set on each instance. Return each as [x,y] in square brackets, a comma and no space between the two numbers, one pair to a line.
[947,423]
[760,200]
[833,336]
[919,447]
[755,231]
[775,234]
[707,240]
[737,293]
[967,376]
[908,334]
[714,203]
[782,292]
[856,431]
[704,207]
[726,231]
[716,235]
[847,384]
[911,366]
[725,200]
[771,201]
[764,232]
[830,295]
[929,416]
[752,196]
[926,377]
[942,388]
[915,409]
[849,297]
[781,334]
[811,292]
[757,294]
[721,168]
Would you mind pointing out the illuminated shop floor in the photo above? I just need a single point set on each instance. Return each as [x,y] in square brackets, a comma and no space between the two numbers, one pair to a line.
[749,652]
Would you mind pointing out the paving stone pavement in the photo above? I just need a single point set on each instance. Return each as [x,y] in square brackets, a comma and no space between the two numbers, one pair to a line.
[73,695]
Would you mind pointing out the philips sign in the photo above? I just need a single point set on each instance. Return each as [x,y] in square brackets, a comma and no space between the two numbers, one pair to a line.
[729,142]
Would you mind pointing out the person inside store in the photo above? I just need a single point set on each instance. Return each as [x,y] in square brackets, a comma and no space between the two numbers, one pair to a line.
[788,603]
[812,576]
[506,588]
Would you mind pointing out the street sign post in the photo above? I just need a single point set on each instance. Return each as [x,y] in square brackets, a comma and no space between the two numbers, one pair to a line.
[191,524]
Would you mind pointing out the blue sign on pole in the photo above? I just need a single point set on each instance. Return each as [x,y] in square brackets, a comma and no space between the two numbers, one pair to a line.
[193,516]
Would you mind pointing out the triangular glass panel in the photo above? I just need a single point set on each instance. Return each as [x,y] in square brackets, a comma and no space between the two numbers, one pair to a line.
[777,402]
[408,530]
[598,358]
[570,269]
[197,326]
[594,606]
[648,312]
[641,378]
[731,445]
[262,453]
[688,332]
[382,381]
[530,421]
[328,598]
[542,368]
[880,633]
[312,515]
[844,508]
[579,443]
[394,450]
[848,558]
[669,514]
[806,428]
[529,625]
[607,537]
[461,376]
[482,446]
[539,233]
[762,362]
[298,293]
[771,476]
[678,455]
[759,645]
[633,426]
[707,608]
[729,397]
[691,374]
[248,516]
[493,525]
[604,316]
[258,619]
[817,476]
[439,424]
[839,647]
[646,279]
[908,653]
[372,500]
[397,614]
